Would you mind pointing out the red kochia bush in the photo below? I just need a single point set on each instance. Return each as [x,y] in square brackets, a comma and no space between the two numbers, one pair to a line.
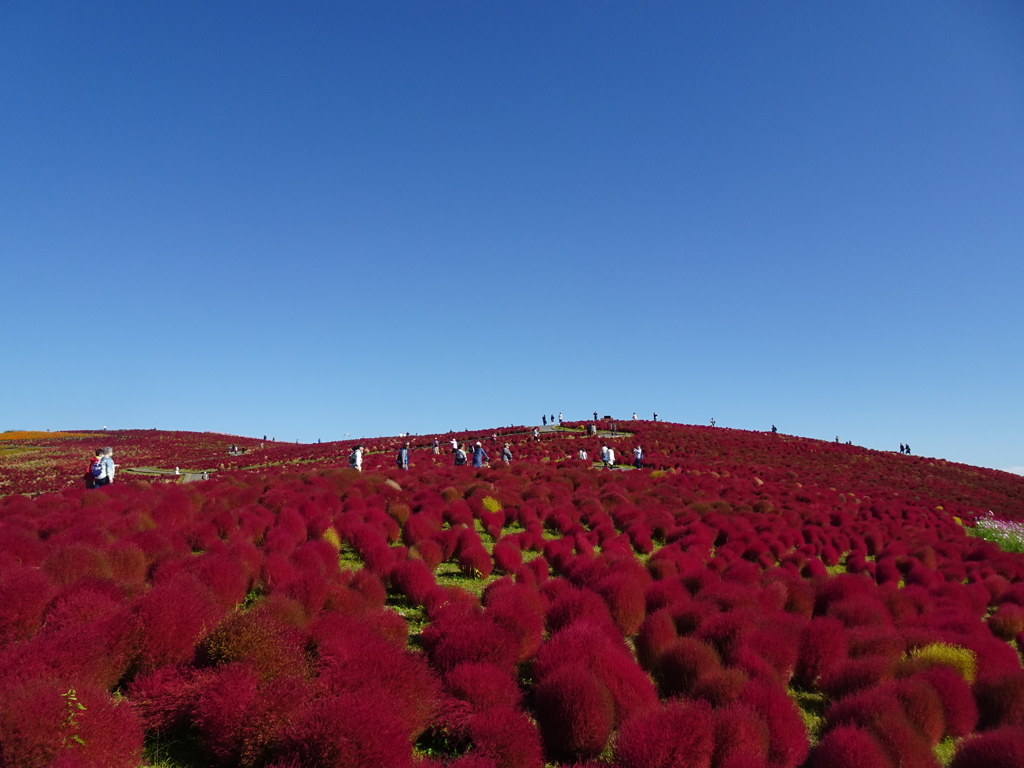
[575,711]
[173,617]
[1007,622]
[507,737]
[166,697]
[822,650]
[686,660]
[576,604]
[241,719]
[959,708]
[610,660]
[515,613]
[507,557]
[1002,748]
[415,580]
[719,687]
[24,594]
[657,634]
[624,595]
[340,731]
[40,724]
[680,735]
[787,735]
[922,706]
[271,649]
[482,686]
[848,747]
[856,674]
[1001,700]
[471,637]
[739,731]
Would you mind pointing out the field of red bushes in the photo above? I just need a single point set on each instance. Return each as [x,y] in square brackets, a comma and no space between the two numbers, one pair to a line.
[745,600]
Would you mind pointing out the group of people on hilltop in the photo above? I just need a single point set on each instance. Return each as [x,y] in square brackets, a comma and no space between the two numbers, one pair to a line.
[101,468]
[460,454]
[905,449]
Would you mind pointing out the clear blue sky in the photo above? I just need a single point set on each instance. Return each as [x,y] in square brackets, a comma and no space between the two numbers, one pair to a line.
[318,218]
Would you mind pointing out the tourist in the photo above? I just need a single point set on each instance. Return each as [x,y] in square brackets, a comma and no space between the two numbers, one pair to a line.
[460,455]
[108,467]
[583,454]
[638,457]
[479,455]
[355,459]
[506,454]
[403,457]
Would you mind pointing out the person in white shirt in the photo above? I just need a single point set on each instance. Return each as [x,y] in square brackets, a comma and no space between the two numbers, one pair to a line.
[109,467]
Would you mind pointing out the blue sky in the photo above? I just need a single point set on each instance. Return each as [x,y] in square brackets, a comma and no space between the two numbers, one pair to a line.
[312,219]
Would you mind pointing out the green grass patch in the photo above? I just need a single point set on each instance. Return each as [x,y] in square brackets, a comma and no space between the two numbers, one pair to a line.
[812,706]
[1006,535]
[180,751]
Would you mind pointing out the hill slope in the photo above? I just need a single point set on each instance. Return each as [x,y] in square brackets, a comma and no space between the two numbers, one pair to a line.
[745,599]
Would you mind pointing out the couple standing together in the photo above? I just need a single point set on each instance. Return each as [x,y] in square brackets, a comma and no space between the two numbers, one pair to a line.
[101,470]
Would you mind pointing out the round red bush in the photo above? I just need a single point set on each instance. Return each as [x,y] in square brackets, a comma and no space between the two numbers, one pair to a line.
[679,735]
[576,713]
[1002,748]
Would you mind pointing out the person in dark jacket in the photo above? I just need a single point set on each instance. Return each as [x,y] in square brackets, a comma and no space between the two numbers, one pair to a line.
[479,455]
[403,457]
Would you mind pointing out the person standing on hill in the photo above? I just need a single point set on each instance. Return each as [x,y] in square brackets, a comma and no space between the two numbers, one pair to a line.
[403,457]
[107,462]
[544,420]
[479,455]
[583,454]
[460,455]
[506,454]
[355,459]
[96,470]
[638,457]
[611,458]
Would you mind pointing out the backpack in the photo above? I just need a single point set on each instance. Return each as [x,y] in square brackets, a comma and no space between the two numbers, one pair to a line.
[96,469]
[460,457]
